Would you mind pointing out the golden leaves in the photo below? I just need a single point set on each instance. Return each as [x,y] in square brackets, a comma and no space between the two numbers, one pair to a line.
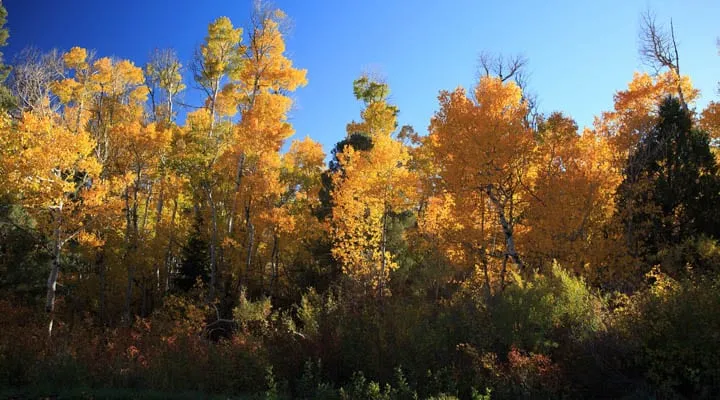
[710,120]
[266,68]
[76,58]
[51,167]
[372,185]
[221,50]
[634,109]
[67,89]
[478,142]
[305,154]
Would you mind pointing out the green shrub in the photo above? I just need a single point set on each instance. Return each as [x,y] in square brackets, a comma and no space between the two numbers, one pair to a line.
[538,313]
[674,327]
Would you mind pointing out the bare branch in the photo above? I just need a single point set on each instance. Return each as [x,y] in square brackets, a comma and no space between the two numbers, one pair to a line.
[655,44]
[658,49]
[497,65]
[31,78]
[511,68]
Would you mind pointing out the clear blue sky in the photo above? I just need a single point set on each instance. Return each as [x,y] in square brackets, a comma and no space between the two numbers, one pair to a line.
[580,52]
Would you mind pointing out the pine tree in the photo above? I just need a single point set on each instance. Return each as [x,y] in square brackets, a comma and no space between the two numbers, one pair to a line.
[195,260]
[671,187]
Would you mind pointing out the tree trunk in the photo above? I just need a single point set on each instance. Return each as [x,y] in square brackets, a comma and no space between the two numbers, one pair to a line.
[170,109]
[486,273]
[383,262]
[507,229]
[273,264]
[238,181]
[54,271]
[250,239]
[503,272]
[213,244]
[52,285]
[171,241]
[158,220]
[131,236]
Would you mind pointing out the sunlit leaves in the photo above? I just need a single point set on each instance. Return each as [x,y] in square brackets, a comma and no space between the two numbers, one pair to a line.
[635,109]
[369,187]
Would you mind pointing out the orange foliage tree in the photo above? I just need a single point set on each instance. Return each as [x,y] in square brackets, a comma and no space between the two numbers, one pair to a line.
[370,186]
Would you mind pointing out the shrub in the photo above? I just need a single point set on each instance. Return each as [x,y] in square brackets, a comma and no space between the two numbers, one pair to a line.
[538,313]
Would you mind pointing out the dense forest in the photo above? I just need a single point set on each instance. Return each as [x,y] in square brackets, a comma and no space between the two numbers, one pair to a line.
[150,247]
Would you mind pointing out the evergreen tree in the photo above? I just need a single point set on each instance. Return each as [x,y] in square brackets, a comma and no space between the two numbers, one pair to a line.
[7,100]
[195,260]
[671,189]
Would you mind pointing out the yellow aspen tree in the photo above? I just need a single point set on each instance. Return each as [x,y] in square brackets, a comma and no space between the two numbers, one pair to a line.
[218,58]
[130,151]
[370,186]
[97,97]
[573,197]
[138,152]
[56,177]
[117,124]
[261,88]
[76,92]
[483,150]
[452,231]
[293,225]
[163,74]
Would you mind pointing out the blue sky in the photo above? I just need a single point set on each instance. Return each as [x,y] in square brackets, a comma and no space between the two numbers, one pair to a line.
[580,52]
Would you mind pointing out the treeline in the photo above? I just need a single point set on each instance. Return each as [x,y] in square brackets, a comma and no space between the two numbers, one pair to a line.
[504,254]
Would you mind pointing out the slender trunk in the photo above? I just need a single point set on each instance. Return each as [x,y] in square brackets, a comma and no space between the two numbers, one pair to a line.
[486,274]
[483,249]
[79,114]
[170,109]
[250,239]
[383,258]
[274,262]
[159,208]
[241,159]
[129,293]
[436,255]
[52,279]
[171,241]
[131,236]
[213,243]
[238,181]
[145,209]
[507,229]
[52,286]
[211,201]
[503,272]
[677,68]
[213,104]
[153,107]
[54,271]
[158,220]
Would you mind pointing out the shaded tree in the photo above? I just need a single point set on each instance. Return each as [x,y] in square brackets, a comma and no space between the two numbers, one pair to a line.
[670,185]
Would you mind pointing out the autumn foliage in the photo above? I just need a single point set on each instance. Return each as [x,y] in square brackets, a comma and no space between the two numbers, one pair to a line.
[506,253]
